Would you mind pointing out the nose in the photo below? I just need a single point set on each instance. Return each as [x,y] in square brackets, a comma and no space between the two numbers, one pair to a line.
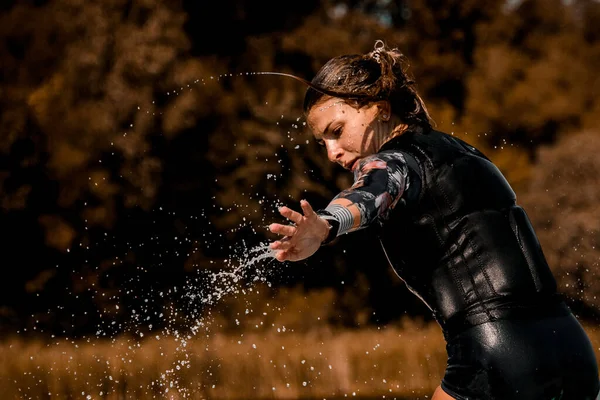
[334,151]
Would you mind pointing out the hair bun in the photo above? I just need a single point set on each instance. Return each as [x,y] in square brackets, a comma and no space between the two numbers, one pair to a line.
[378,48]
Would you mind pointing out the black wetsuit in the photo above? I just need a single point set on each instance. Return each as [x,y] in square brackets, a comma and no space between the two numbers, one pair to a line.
[450,227]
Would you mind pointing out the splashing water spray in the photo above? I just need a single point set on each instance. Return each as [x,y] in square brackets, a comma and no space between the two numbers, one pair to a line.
[240,274]
[245,268]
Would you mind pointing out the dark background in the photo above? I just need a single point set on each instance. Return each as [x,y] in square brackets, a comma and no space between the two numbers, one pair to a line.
[140,152]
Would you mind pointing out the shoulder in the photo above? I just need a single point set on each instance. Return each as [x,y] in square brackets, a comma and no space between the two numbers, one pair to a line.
[383,160]
[389,155]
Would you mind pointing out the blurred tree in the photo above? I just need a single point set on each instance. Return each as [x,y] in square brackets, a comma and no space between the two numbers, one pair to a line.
[562,202]
[87,95]
[441,42]
[386,12]
[530,75]
[31,42]
[588,13]
[221,27]
[529,83]
[141,144]
[107,115]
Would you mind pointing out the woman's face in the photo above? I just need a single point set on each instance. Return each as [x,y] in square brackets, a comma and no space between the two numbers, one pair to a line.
[348,133]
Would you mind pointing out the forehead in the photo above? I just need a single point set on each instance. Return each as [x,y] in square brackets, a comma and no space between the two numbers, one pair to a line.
[322,113]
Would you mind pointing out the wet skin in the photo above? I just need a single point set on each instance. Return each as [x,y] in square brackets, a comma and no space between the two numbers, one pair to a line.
[349,133]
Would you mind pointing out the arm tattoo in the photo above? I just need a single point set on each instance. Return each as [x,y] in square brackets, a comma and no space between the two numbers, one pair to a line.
[379,183]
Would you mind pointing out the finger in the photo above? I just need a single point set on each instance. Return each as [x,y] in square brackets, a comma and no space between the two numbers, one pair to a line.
[281,245]
[306,208]
[281,256]
[285,230]
[290,214]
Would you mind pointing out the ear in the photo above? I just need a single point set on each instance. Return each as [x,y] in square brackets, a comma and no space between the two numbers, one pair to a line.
[385,110]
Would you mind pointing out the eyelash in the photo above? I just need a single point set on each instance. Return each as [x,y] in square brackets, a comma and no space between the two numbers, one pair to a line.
[336,132]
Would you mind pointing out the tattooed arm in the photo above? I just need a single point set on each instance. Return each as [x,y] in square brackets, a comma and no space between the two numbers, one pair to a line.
[379,183]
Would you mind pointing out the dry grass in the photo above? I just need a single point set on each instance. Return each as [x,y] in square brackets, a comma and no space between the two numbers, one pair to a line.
[403,361]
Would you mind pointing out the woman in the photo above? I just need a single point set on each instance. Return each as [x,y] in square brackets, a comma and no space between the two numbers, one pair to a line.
[449,225]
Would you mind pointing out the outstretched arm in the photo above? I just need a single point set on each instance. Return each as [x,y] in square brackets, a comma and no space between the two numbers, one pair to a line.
[302,239]
[380,182]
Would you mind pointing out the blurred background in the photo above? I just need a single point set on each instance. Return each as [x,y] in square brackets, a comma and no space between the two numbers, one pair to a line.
[143,155]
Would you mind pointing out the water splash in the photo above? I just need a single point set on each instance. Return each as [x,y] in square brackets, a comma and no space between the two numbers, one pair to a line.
[244,269]
[226,282]
[187,313]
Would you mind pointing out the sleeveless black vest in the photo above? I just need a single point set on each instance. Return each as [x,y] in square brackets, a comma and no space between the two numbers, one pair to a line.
[463,245]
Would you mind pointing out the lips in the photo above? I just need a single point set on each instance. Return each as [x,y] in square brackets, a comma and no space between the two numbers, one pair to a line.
[352,164]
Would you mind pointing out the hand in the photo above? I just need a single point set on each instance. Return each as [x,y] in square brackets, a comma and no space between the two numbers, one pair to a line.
[302,239]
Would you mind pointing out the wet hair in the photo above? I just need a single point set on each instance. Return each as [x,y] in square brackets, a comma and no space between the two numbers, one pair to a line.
[361,79]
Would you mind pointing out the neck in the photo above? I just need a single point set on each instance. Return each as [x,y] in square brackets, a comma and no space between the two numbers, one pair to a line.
[384,135]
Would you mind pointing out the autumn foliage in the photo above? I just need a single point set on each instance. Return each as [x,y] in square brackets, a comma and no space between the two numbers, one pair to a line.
[140,146]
